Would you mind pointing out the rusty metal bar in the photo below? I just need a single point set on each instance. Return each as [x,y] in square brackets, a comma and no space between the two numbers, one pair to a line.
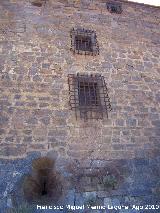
[88,96]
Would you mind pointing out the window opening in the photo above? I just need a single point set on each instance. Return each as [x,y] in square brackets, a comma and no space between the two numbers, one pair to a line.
[88,96]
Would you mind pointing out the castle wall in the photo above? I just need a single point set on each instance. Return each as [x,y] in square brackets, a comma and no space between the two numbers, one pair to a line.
[35,60]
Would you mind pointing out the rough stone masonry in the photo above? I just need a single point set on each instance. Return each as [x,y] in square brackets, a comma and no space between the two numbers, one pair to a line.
[35,117]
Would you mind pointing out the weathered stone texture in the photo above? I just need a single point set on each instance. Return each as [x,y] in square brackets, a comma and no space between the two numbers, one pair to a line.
[138,183]
[35,59]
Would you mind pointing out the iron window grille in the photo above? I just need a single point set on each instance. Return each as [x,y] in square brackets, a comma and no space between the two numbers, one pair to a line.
[88,96]
[84,42]
[114,7]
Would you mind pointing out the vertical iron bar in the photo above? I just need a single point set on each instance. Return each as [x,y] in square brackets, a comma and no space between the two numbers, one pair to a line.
[90,101]
[98,95]
[75,95]
[85,105]
[95,98]
[79,94]
[103,84]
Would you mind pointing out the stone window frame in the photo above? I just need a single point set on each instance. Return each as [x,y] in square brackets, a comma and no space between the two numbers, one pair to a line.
[114,7]
[98,104]
[85,35]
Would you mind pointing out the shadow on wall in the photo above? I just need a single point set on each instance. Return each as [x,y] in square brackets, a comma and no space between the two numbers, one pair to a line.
[43,185]
[96,178]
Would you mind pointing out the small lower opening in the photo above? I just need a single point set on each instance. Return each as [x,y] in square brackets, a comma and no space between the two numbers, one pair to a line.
[44,190]
[43,183]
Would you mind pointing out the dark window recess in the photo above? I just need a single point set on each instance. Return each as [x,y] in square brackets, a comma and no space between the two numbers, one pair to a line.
[38,3]
[88,96]
[114,7]
[84,42]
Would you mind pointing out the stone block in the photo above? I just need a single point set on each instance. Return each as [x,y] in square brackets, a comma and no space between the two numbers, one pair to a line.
[85,181]
[27,139]
[9,139]
[4,120]
[14,150]
[85,164]
[20,103]
[131,122]
[103,194]
[33,71]
[119,122]
[126,132]
[31,104]
[157,132]
[140,153]
[116,202]
[79,199]
[107,202]
[42,105]
[156,123]
[35,146]
[32,121]
[58,132]
[71,197]
[153,116]
[115,140]
[52,154]
[45,120]
[59,121]
[52,139]
[5,103]
[17,96]
[157,98]
[46,66]
[141,162]
[40,113]
[39,131]
[2,131]
[98,163]
[119,146]
[27,132]
[37,78]
[154,140]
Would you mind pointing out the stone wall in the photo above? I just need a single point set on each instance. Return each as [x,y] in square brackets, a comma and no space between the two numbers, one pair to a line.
[35,118]
[35,60]
[139,186]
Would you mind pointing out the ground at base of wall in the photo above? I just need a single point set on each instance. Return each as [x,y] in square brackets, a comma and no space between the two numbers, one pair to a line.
[138,189]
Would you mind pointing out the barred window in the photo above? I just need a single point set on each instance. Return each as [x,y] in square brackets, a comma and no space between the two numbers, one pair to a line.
[114,7]
[84,42]
[88,96]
